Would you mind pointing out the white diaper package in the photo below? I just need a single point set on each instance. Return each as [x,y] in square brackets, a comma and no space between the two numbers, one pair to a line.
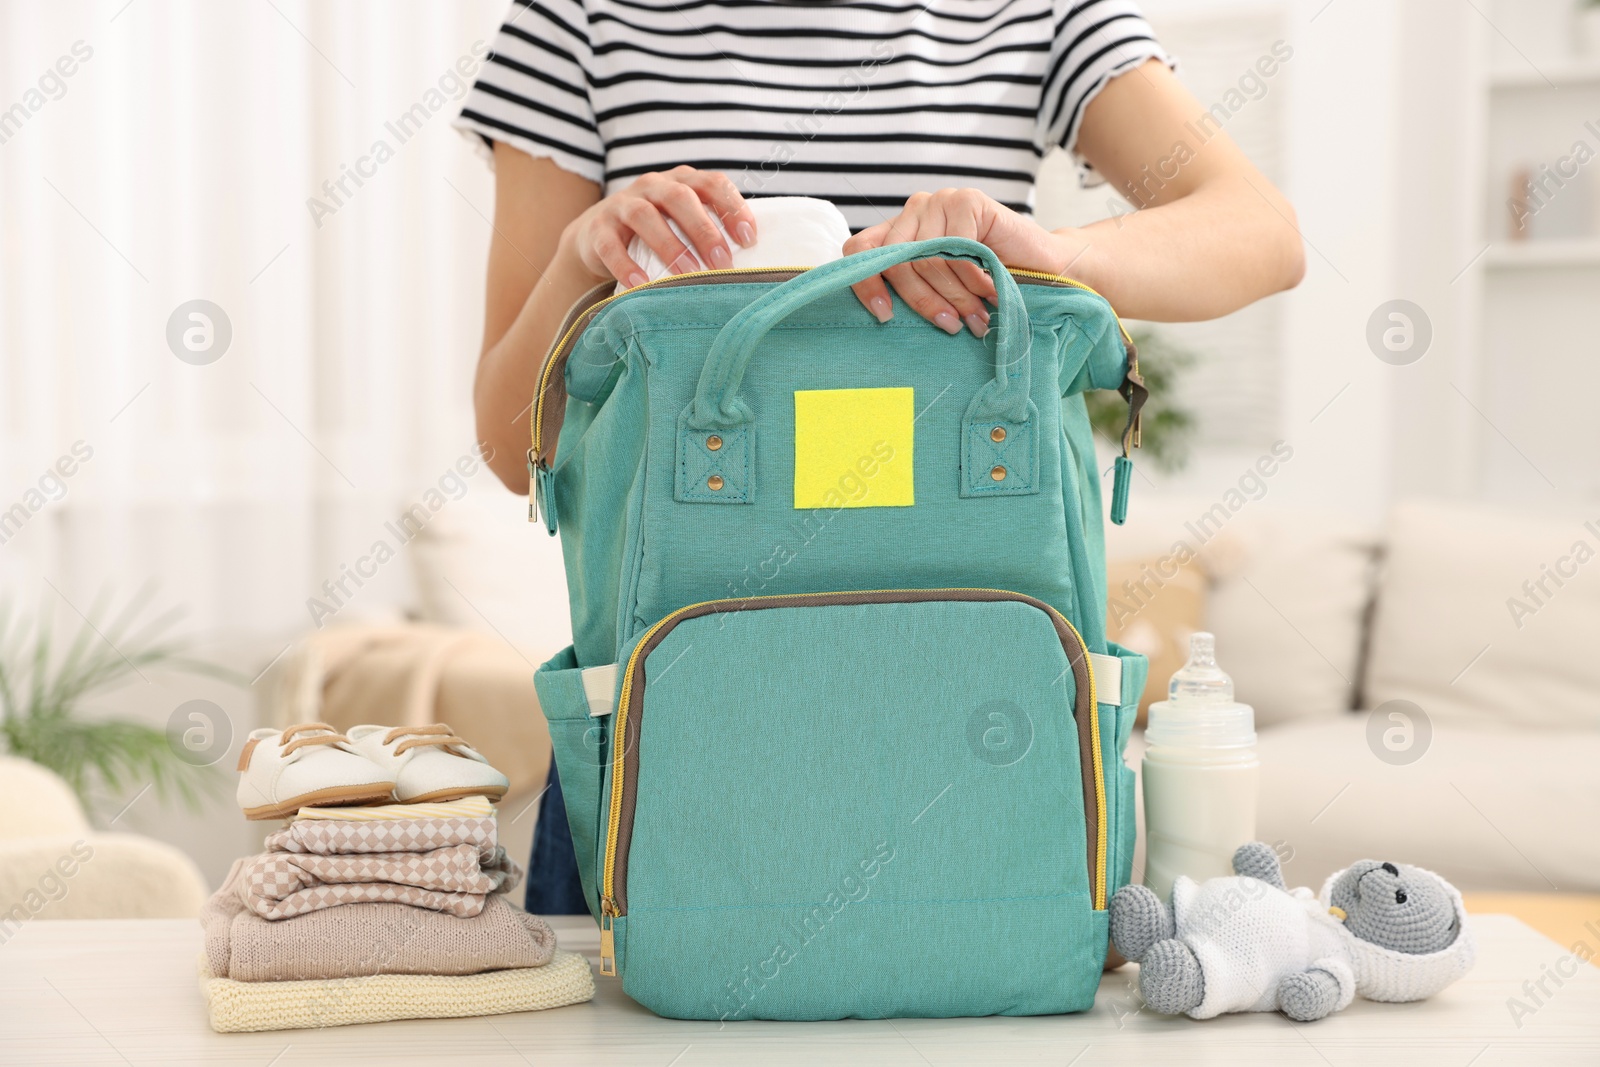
[791,231]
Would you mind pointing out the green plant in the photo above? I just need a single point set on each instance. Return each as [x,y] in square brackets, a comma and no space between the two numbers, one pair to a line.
[1167,425]
[43,689]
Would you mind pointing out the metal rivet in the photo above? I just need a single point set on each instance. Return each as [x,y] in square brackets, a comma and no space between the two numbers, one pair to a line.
[997,434]
[998,474]
[715,482]
[713,442]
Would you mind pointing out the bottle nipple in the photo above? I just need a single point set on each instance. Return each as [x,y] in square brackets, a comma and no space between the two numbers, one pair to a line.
[1201,680]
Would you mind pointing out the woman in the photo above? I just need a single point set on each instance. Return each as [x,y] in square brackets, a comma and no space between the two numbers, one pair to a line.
[607,118]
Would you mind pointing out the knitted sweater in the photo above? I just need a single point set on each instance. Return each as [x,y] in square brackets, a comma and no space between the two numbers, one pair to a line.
[1248,936]
[238,1006]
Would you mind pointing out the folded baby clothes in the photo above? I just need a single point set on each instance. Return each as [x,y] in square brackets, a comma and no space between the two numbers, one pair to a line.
[234,1006]
[448,865]
[474,807]
[791,231]
[278,885]
[336,837]
[363,939]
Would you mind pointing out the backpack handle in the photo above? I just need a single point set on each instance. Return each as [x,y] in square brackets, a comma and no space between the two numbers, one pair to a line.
[999,451]
[717,404]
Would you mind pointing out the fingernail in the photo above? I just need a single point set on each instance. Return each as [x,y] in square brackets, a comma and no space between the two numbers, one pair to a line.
[720,258]
[976,324]
[636,278]
[947,322]
[746,234]
[684,264]
[879,305]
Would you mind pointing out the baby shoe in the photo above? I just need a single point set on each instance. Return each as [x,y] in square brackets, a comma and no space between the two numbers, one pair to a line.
[428,763]
[306,766]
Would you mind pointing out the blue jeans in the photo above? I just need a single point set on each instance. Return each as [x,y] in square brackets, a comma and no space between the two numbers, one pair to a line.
[554,887]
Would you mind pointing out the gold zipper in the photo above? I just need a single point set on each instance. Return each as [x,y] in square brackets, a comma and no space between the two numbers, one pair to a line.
[553,359]
[609,908]
[1073,283]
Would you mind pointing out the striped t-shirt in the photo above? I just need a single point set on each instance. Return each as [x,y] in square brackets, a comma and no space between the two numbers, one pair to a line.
[860,102]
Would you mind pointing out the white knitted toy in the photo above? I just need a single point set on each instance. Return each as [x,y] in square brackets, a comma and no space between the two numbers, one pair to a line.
[1249,943]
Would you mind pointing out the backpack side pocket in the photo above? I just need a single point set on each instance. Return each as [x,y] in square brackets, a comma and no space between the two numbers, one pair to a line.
[577,703]
[1116,727]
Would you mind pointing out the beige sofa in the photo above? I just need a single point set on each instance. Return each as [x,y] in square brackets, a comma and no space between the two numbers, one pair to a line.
[1406,707]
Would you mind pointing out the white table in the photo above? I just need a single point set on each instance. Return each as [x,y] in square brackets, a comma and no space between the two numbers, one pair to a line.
[124,992]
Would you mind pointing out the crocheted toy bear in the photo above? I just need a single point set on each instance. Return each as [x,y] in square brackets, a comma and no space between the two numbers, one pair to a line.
[1249,943]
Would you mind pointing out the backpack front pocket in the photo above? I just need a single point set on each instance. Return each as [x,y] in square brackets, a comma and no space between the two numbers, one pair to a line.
[873,804]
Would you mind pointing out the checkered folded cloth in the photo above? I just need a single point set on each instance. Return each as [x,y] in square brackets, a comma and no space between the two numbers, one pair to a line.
[339,838]
[448,865]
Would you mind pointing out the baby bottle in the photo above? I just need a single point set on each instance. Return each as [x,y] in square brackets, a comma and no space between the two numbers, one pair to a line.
[1199,774]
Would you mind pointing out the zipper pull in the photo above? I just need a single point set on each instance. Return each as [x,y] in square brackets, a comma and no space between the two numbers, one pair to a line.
[544,485]
[1121,479]
[608,946]
[533,490]
[1133,390]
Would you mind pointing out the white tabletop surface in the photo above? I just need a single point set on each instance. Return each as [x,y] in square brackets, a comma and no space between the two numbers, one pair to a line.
[124,992]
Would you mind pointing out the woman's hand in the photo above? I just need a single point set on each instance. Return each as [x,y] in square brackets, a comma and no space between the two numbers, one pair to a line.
[949,292]
[685,196]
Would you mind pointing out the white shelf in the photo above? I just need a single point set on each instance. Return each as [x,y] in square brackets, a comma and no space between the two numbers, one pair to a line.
[1579,72]
[1522,255]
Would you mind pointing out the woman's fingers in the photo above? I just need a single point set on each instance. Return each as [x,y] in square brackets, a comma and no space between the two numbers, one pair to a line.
[642,218]
[944,277]
[928,285]
[873,293]
[941,277]
[975,280]
[924,299]
[947,215]
[910,285]
[676,215]
[681,203]
[946,292]
[718,190]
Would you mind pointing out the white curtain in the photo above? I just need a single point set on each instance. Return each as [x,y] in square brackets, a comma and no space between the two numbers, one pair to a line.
[181,159]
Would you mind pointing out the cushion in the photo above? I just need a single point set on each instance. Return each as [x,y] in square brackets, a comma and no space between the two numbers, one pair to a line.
[479,564]
[1489,617]
[1290,618]
[1461,807]
[1288,599]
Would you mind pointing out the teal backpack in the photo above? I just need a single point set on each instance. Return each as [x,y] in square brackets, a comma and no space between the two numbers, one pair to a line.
[839,733]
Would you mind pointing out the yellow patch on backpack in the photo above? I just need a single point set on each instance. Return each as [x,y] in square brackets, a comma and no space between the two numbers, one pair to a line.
[852,448]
